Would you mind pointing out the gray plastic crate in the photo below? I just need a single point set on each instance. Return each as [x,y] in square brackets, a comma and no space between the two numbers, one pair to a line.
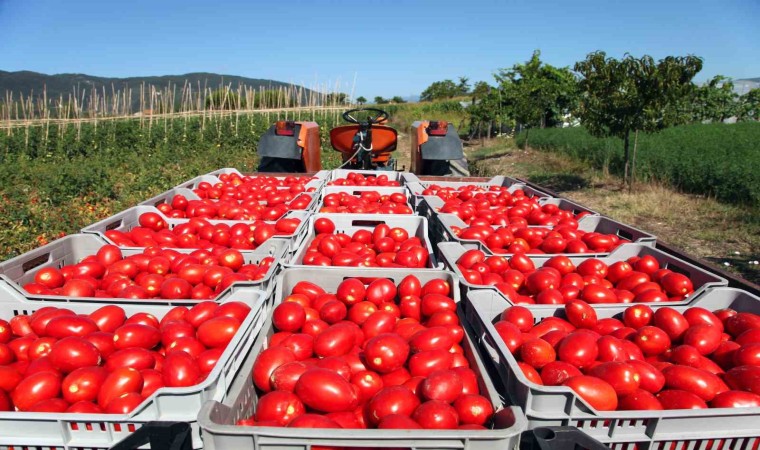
[560,406]
[358,190]
[351,223]
[337,174]
[76,431]
[701,279]
[213,178]
[598,224]
[564,204]
[128,219]
[219,432]
[417,186]
[20,270]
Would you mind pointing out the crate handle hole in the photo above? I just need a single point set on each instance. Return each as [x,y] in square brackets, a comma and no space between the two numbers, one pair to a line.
[367,223]
[628,236]
[36,262]
[114,225]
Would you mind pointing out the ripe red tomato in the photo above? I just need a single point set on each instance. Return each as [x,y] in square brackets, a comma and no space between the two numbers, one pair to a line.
[35,388]
[639,400]
[596,392]
[578,348]
[120,381]
[266,363]
[386,352]
[326,391]
[279,406]
[473,409]
[537,353]
[391,400]
[180,370]
[217,332]
[443,385]
[435,414]
[72,353]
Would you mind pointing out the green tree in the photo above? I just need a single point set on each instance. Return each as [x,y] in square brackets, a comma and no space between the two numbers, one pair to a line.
[397,99]
[713,101]
[749,106]
[380,100]
[225,99]
[480,90]
[336,98]
[464,86]
[538,94]
[273,98]
[440,90]
[626,96]
[361,100]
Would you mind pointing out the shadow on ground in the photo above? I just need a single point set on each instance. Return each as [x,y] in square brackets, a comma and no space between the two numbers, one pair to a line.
[560,181]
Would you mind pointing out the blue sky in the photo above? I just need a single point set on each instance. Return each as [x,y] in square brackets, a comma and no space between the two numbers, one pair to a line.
[389,48]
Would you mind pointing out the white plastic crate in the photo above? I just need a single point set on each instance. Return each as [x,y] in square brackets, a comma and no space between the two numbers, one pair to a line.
[337,174]
[76,431]
[168,196]
[702,279]
[357,191]
[728,428]
[217,419]
[598,224]
[418,186]
[351,223]
[129,219]
[20,270]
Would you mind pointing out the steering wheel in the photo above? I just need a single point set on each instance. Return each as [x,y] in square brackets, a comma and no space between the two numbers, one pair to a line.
[381,115]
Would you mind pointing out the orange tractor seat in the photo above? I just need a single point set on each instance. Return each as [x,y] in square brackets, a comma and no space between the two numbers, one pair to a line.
[384,141]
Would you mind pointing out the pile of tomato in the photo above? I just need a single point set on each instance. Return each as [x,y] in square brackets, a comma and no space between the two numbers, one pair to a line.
[55,360]
[370,355]
[505,209]
[384,246]
[155,273]
[643,360]
[267,206]
[368,202]
[232,185]
[537,240]
[559,280]
[358,179]
[153,231]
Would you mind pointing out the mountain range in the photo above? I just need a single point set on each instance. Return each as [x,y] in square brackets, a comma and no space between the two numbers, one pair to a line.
[27,82]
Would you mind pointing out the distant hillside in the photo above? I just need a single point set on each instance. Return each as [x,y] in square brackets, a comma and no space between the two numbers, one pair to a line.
[746,84]
[26,83]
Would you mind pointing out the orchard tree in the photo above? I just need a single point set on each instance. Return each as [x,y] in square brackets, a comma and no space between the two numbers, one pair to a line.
[361,100]
[749,106]
[380,100]
[397,99]
[440,90]
[464,86]
[621,97]
[480,90]
[537,93]
[714,101]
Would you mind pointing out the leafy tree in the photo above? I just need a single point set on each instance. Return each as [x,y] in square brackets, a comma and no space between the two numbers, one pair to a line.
[440,90]
[273,98]
[714,101]
[480,90]
[224,99]
[464,86]
[626,96]
[538,94]
[380,100]
[749,106]
[336,98]
[397,99]
[361,100]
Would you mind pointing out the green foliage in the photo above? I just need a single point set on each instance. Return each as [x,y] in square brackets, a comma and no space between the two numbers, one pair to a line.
[397,99]
[381,101]
[537,94]
[272,98]
[361,100]
[225,99]
[633,94]
[749,106]
[694,158]
[441,90]
[714,101]
[336,98]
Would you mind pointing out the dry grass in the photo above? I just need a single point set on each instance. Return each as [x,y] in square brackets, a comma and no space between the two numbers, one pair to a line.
[703,227]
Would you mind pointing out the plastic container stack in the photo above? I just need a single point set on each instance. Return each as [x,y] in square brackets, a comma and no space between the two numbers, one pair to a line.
[195,248]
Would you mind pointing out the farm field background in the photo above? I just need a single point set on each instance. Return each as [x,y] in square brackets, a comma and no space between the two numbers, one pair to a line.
[59,177]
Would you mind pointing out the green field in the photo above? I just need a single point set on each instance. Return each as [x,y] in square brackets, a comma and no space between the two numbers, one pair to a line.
[55,179]
[716,160]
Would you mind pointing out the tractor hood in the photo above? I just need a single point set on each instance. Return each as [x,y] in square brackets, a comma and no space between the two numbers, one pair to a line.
[443,148]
